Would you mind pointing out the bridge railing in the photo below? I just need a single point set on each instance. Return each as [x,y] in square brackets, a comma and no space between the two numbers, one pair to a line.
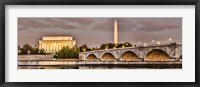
[161,44]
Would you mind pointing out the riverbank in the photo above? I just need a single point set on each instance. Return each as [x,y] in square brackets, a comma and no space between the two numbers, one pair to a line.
[48,62]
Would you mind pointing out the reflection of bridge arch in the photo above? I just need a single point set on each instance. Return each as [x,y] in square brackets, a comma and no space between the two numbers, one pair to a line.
[91,57]
[157,55]
[129,56]
[108,57]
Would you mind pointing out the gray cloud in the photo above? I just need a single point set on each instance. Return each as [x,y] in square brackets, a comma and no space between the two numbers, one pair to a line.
[152,26]
[94,31]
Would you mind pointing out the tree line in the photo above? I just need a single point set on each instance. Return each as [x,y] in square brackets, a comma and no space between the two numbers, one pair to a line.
[27,49]
[84,47]
[67,52]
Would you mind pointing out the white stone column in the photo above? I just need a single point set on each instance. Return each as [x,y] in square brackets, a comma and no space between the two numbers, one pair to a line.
[115,32]
[47,49]
[50,48]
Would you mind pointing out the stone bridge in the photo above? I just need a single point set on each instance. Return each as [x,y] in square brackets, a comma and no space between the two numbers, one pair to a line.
[164,52]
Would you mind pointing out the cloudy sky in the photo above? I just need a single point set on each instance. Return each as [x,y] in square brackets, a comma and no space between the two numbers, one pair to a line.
[95,31]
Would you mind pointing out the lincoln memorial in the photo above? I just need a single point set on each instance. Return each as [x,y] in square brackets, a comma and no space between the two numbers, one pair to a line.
[52,44]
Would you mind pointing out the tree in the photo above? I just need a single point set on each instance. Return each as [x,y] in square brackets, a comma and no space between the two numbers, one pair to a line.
[36,51]
[19,47]
[107,46]
[27,48]
[19,50]
[42,51]
[127,44]
[67,52]
[103,46]
[120,45]
[83,48]
[112,45]
[23,52]
[76,52]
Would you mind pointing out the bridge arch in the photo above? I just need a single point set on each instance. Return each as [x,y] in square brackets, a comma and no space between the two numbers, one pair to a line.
[108,57]
[157,55]
[129,56]
[91,57]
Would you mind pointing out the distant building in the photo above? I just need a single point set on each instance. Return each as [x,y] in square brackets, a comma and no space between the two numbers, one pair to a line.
[52,44]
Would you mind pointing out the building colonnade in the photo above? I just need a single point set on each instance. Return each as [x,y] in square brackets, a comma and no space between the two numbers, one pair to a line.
[52,46]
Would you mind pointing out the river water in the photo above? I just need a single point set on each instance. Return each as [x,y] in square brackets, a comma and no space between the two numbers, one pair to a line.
[143,66]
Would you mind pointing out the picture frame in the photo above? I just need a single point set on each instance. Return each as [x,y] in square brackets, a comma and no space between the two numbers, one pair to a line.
[98,2]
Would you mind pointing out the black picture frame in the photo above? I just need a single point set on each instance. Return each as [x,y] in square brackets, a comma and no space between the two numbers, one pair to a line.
[99,2]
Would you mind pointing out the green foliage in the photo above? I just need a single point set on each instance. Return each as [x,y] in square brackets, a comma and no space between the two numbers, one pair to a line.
[112,45]
[127,44]
[19,47]
[107,46]
[22,51]
[92,49]
[84,48]
[120,45]
[36,51]
[67,52]
[27,48]
[76,52]
[42,51]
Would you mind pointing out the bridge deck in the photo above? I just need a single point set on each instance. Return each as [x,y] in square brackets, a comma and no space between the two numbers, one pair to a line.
[138,47]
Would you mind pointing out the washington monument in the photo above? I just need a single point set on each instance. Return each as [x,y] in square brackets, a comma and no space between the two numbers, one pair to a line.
[115,32]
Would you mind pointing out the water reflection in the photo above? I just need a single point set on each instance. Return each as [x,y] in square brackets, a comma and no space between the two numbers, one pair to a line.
[147,66]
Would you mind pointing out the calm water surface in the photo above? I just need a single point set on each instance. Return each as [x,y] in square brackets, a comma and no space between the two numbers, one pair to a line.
[147,66]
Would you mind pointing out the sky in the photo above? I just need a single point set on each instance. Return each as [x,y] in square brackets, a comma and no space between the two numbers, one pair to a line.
[95,31]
